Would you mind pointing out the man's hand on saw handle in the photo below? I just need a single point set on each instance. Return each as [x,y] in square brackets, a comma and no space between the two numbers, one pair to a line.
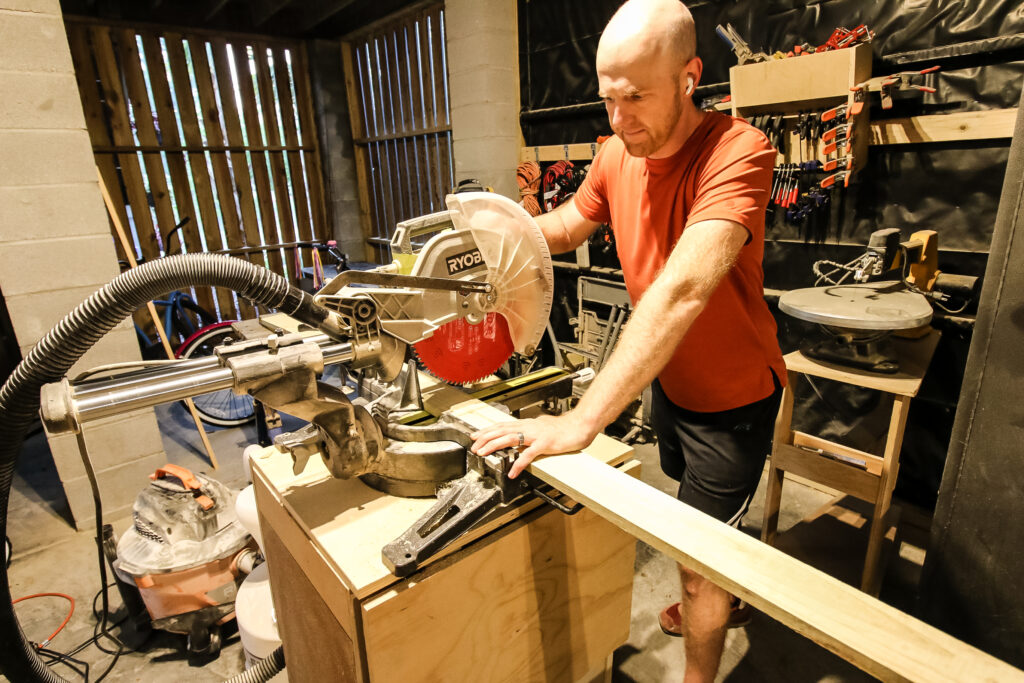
[533,437]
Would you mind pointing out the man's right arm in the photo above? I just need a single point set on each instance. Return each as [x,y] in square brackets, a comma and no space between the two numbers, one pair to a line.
[565,228]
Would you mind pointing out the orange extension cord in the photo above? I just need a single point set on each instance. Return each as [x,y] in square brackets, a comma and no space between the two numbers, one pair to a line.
[62,624]
[528,175]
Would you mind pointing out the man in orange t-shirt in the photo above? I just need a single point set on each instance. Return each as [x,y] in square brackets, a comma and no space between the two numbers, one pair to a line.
[685,192]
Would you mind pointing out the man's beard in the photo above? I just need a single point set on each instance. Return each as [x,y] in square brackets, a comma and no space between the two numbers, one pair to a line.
[656,137]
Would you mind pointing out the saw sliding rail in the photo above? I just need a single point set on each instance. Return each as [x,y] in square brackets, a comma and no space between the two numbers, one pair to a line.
[870,634]
[132,390]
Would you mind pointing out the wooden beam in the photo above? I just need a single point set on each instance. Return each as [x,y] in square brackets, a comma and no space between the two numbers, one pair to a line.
[316,12]
[571,152]
[972,125]
[872,635]
[993,124]
[263,10]
[215,7]
[132,263]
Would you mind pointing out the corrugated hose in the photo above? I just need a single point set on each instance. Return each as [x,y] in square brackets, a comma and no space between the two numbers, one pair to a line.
[54,355]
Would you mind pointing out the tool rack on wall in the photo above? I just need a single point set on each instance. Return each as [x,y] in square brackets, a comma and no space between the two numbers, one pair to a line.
[809,84]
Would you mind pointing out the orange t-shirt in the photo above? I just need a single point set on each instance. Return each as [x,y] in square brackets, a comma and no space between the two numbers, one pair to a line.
[723,171]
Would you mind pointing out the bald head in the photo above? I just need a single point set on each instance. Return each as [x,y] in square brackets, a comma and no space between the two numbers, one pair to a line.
[646,73]
[649,30]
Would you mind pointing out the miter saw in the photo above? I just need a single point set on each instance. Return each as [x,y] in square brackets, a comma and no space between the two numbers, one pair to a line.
[859,318]
[478,289]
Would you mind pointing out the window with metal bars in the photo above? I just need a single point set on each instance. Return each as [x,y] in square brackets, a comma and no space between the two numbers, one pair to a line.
[397,75]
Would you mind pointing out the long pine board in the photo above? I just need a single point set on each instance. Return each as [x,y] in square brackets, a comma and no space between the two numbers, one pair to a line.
[876,637]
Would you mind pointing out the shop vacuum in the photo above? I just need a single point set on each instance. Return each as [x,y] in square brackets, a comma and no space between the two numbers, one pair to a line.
[179,565]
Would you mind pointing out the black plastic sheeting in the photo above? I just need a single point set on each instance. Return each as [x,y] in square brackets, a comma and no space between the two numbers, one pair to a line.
[952,188]
[558,38]
[970,585]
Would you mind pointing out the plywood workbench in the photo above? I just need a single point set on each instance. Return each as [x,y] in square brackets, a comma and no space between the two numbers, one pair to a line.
[532,594]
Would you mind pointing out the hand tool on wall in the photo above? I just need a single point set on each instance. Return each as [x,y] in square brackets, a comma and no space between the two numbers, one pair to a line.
[843,111]
[887,85]
[744,54]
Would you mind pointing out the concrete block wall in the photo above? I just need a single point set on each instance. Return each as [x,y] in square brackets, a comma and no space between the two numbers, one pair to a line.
[483,79]
[55,242]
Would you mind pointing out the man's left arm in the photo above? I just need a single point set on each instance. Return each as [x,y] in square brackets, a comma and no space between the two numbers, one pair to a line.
[705,252]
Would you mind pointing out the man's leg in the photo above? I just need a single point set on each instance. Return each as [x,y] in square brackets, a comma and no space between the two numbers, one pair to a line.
[705,615]
[718,458]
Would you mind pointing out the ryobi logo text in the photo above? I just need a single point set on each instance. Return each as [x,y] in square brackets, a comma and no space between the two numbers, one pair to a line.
[464,261]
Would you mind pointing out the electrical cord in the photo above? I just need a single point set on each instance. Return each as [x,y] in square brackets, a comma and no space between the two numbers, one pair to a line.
[73,336]
[64,623]
[937,298]
[528,177]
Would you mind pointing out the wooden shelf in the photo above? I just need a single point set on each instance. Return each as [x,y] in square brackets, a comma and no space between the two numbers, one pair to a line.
[799,83]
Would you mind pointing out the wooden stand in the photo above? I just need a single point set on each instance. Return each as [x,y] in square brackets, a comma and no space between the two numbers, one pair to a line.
[866,476]
[532,594]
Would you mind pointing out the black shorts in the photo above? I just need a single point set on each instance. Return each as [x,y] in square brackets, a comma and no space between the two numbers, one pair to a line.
[717,458]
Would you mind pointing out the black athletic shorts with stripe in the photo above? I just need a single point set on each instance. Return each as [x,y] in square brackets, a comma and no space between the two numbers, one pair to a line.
[717,458]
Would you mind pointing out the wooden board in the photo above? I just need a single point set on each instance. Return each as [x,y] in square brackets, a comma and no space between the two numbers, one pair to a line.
[805,82]
[992,124]
[956,127]
[320,210]
[878,638]
[355,113]
[278,176]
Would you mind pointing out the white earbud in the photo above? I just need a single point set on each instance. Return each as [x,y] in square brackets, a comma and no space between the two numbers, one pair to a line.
[689,85]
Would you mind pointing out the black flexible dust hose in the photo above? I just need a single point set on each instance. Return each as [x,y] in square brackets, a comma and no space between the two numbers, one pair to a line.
[55,353]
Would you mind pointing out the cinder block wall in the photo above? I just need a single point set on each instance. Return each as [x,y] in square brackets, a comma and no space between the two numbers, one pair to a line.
[55,243]
[483,75]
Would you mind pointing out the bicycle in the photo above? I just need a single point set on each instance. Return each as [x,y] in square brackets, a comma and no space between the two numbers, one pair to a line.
[223,408]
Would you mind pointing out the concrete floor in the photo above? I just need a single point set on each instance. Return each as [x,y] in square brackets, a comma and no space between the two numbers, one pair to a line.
[50,556]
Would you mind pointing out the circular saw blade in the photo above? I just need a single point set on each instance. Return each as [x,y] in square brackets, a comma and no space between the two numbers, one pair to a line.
[460,352]
[517,258]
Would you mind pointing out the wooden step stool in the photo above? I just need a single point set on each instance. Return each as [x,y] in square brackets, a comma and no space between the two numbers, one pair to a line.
[866,476]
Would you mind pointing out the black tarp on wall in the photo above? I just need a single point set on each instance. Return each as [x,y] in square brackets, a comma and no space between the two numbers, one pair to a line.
[952,188]
[970,586]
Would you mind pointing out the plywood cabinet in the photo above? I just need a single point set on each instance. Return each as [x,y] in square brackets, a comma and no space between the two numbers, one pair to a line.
[532,594]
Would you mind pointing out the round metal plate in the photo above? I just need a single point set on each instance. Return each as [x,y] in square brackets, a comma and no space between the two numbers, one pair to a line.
[868,306]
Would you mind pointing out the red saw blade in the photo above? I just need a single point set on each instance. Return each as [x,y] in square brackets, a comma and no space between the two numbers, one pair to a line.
[459,352]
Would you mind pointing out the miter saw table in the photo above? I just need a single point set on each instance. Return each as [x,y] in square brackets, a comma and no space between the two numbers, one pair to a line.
[528,594]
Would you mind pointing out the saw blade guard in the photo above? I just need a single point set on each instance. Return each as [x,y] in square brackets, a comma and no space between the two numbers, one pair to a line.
[517,258]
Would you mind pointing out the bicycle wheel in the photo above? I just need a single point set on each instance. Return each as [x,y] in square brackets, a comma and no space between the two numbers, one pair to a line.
[223,408]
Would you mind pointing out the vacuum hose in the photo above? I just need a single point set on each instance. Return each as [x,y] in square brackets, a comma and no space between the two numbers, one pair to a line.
[55,353]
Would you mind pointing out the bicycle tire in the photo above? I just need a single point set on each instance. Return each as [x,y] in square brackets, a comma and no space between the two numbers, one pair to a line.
[223,408]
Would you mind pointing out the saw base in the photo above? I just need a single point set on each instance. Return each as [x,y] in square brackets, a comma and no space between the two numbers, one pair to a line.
[845,347]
